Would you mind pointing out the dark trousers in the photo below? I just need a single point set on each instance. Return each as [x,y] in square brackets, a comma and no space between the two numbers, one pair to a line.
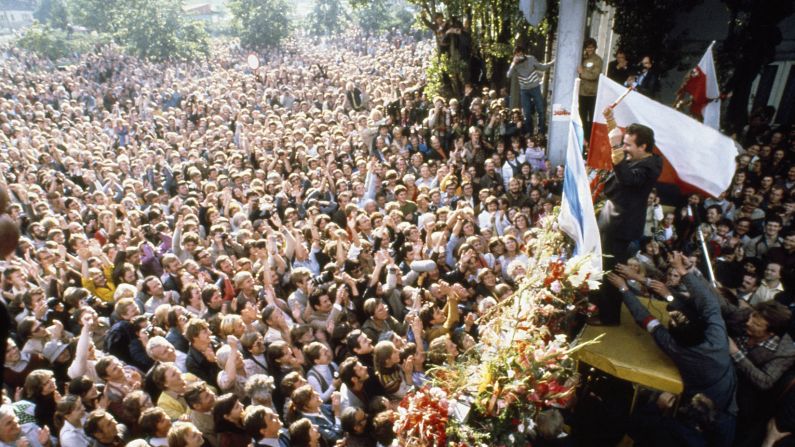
[616,251]
[533,101]
[587,105]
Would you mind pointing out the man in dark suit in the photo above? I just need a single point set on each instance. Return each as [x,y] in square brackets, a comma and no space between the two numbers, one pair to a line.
[647,81]
[635,171]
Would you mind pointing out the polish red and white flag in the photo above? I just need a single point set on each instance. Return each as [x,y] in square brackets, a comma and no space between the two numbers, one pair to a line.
[702,84]
[696,157]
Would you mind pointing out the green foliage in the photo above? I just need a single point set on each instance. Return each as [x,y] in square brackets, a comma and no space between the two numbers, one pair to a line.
[645,28]
[260,23]
[55,44]
[382,15]
[52,13]
[493,25]
[151,29]
[97,15]
[45,41]
[327,17]
[436,72]
[157,30]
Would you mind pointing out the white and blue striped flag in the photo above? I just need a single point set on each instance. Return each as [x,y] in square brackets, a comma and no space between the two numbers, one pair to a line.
[577,218]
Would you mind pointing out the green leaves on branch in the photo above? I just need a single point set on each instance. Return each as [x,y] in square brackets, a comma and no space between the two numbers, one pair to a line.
[54,44]
[327,17]
[382,15]
[157,30]
[260,23]
[151,29]
[52,13]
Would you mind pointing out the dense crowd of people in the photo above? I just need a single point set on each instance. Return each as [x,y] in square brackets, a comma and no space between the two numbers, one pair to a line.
[219,255]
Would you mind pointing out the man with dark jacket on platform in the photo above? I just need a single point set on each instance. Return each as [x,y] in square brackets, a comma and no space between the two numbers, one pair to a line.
[635,171]
[697,342]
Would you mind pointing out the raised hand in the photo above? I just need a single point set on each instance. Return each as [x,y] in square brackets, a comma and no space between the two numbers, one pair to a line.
[617,280]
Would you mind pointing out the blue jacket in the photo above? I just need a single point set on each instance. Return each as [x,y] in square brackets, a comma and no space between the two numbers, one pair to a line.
[328,426]
[707,367]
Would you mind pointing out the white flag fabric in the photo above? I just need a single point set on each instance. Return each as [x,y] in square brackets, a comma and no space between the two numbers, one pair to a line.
[702,85]
[695,155]
[711,111]
[577,218]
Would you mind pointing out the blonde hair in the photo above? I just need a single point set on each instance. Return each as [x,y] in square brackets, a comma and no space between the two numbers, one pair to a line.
[177,434]
[228,324]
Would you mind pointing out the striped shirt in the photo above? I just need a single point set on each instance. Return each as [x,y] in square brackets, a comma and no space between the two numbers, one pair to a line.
[527,72]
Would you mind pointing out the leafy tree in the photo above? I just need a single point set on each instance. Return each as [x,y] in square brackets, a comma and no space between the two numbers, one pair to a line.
[45,41]
[260,23]
[151,29]
[383,15]
[54,43]
[750,44]
[53,13]
[99,15]
[327,17]
[492,27]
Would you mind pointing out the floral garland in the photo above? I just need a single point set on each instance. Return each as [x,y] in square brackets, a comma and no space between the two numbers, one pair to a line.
[522,363]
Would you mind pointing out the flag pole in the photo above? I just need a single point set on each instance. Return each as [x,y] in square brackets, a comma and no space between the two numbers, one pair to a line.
[706,257]
[621,98]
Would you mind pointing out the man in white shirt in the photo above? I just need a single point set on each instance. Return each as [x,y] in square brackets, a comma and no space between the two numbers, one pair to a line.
[770,286]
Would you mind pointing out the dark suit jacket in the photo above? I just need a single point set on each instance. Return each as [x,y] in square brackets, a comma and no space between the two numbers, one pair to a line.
[650,85]
[628,189]
[197,364]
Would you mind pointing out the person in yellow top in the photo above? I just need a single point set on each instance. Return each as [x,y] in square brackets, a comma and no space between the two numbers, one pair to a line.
[170,382]
[438,322]
[97,280]
[589,70]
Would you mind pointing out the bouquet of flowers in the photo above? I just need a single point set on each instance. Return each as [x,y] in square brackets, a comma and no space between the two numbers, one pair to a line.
[523,361]
[422,418]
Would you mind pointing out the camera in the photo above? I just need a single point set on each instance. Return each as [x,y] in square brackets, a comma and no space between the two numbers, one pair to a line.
[323,278]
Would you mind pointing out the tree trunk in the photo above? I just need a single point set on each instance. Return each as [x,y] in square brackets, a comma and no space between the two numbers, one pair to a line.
[737,111]
[500,65]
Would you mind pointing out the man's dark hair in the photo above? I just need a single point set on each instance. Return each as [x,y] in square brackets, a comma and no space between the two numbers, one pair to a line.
[79,386]
[348,420]
[208,292]
[352,341]
[776,314]
[254,421]
[146,282]
[643,135]
[589,42]
[689,331]
[314,297]
[101,367]
[348,370]
[717,208]
[193,393]
[91,427]
[700,412]
[773,218]
[267,312]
